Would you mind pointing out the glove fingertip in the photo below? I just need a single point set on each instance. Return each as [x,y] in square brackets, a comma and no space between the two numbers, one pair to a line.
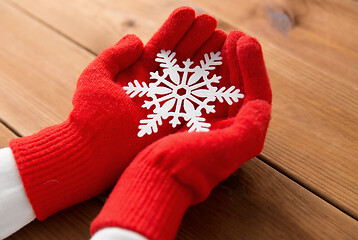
[252,65]
[209,20]
[184,15]
[248,44]
[184,10]
[131,39]
[258,111]
[235,35]
[129,48]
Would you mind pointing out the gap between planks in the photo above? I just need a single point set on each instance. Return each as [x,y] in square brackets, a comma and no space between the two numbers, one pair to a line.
[258,198]
[28,13]
[286,173]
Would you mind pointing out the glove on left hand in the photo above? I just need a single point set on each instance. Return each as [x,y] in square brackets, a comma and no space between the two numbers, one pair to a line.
[68,163]
[181,169]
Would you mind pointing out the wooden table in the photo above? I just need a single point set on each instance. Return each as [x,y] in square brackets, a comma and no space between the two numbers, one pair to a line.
[302,186]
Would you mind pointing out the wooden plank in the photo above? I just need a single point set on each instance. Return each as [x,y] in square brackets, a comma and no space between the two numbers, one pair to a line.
[301,27]
[260,203]
[257,198]
[42,36]
[39,70]
[98,24]
[312,64]
[38,80]
[321,32]
[5,136]
[72,223]
[311,53]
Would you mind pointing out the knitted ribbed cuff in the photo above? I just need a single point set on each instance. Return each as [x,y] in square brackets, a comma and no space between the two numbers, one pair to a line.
[55,166]
[145,201]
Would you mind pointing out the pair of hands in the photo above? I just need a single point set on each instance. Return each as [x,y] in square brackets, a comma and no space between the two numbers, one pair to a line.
[68,163]
[243,67]
[180,168]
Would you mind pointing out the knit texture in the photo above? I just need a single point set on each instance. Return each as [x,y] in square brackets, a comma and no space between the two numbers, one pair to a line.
[181,169]
[67,163]
[147,201]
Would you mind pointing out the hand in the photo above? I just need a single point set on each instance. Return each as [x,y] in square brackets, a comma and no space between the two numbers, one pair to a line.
[80,158]
[181,169]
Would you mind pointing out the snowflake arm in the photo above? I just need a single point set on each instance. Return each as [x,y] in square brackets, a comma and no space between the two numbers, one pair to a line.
[166,59]
[175,121]
[134,89]
[230,95]
[156,101]
[168,63]
[182,88]
[154,120]
[210,62]
[203,104]
[207,82]
[149,125]
[206,66]
[198,124]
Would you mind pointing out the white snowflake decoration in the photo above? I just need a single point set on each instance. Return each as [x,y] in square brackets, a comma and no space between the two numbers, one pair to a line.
[184,96]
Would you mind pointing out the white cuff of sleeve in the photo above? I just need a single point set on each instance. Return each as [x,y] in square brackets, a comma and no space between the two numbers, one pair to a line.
[114,233]
[15,208]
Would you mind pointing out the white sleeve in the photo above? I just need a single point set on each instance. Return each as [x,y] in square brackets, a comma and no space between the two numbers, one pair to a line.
[114,233]
[16,210]
[15,207]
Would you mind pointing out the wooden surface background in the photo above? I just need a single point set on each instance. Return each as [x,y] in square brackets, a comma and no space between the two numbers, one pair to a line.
[302,186]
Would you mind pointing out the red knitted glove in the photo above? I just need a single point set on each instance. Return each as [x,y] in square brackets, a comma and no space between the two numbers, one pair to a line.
[181,169]
[68,163]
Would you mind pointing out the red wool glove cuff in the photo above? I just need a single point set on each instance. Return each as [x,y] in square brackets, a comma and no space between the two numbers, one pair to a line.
[147,201]
[55,164]
[67,163]
[179,170]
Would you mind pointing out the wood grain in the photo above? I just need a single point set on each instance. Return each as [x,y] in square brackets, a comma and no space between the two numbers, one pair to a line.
[264,204]
[320,32]
[38,74]
[5,136]
[260,203]
[72,223]
[312,64]
[39,68]
[311,54]
[97,24]
[257,198]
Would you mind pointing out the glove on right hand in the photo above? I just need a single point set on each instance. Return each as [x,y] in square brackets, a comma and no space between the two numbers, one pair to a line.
[181,169]
[78,159]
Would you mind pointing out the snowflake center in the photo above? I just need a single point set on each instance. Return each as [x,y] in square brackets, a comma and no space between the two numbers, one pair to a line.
[181,91]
